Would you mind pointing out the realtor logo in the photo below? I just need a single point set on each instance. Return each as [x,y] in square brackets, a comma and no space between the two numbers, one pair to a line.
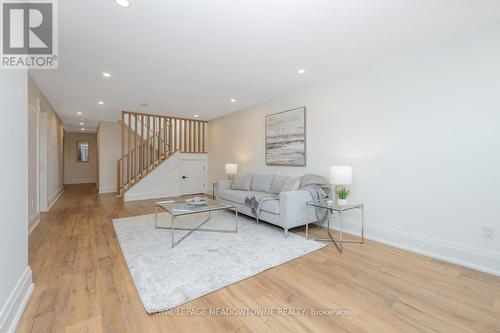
[29,34]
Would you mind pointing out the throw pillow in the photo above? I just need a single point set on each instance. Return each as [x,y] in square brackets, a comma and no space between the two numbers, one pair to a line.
[261,183]
[277,184]
[241,182]
[292,184]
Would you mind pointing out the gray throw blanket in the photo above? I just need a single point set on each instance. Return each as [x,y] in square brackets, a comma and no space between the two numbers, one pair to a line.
[255,204]
[317,186]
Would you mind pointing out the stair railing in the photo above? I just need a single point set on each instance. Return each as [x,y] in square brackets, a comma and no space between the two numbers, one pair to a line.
[147,140]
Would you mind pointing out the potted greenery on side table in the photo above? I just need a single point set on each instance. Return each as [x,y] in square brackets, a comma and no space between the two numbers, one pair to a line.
[342,194]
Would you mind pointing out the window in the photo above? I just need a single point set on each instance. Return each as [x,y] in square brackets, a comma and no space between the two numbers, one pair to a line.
[82,151]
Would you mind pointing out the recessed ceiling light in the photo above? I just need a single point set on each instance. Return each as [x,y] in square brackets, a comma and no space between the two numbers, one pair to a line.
[100,102]
[301,71]
[123,3]
[106,74]
[144,105]
[81,124]
[79,113]
[232,100]
[196,116]
[82,129]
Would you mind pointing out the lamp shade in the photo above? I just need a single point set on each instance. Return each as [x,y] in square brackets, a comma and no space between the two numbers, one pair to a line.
[231,168]
[340,175]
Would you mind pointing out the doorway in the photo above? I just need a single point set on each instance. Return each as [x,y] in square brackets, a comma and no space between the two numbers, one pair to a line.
[42,160]
[192,176]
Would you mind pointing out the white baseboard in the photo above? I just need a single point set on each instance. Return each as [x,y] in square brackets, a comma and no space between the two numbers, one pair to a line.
[456,253]
[33,222]
[54,197]
[79,181]
[107,189]
[13,310]
[148,196]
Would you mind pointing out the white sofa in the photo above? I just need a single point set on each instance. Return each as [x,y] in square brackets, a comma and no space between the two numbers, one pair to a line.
[288,211]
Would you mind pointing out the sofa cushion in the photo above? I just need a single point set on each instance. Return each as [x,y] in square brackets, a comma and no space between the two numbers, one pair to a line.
[292,184]
[259,195]
[241,182]
[271,206]
[277,184]
[261,183]
[236,196]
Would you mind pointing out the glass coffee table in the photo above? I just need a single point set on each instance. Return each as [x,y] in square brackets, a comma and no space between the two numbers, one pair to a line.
[330,209]
[183,208]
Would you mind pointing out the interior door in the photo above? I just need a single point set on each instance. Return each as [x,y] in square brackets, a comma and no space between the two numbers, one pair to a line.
[42,162]
[192,176]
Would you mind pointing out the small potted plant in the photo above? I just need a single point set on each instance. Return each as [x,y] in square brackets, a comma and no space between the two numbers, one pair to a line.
[342,194]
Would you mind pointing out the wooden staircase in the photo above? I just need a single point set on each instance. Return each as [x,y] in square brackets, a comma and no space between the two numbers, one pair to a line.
[148,140]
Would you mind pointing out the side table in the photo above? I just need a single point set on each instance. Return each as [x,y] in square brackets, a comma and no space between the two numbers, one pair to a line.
[331,209]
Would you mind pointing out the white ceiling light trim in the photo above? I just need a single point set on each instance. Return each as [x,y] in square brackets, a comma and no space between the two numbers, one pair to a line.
[100,102]
[233,100]
[106,74]
[301,71]
[123,3]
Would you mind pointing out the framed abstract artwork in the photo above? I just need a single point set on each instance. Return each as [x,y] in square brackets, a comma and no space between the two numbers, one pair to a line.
[286,138]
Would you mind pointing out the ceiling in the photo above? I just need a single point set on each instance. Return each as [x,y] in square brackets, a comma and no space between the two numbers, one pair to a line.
[186,57]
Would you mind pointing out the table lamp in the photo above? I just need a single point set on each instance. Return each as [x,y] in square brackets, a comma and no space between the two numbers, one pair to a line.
[339,176]
[231,169]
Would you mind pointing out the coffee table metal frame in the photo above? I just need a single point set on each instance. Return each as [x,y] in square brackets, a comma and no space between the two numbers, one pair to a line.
[158,204]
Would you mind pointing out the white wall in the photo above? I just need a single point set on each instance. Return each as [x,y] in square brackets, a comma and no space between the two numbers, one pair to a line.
[55,135]
[15,276]
[79,172]
[421,134]
[109,150]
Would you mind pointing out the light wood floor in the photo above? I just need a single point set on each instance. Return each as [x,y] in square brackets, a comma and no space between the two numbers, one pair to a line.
[83,284]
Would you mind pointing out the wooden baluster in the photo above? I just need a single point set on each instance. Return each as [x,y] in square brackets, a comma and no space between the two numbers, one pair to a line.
[188,134]
[203,137]
[170,135]
[193,136]
[136,160]
[147,145]
[154,141]
[185,136]
[199,137]
[190,140]
[159,139]
[142,146]
[128,148]
[166,127]
[174,130]
[122,131]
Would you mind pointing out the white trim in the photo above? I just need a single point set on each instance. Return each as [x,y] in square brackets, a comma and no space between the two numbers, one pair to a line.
[14,307]
[456,253]
[53,199]
[80,181]
[33,222]
[107,189]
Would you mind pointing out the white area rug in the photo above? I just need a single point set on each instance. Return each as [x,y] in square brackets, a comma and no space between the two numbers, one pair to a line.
[203,262]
